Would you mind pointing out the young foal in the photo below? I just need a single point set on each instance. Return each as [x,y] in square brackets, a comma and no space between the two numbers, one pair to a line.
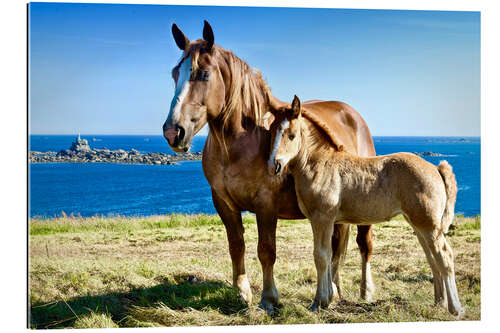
[338,187]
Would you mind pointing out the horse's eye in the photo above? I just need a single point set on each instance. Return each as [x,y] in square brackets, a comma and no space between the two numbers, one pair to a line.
[291,136]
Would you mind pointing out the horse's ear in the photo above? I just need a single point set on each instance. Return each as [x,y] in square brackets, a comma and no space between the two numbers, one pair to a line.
[208,35]
[296,107]
[180,39]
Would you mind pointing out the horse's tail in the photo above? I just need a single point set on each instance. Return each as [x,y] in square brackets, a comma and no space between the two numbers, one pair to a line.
[450,184]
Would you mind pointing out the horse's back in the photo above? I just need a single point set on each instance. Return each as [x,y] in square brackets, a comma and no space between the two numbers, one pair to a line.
[347,124]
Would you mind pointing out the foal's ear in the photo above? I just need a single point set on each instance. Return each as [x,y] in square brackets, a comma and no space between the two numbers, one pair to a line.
[180,39]
[296,107]
[208,35]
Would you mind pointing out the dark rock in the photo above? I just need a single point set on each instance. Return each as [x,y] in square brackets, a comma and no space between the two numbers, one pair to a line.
[429,153]
[80,152]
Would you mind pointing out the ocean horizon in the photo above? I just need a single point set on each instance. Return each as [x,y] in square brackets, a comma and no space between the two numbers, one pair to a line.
[108,189]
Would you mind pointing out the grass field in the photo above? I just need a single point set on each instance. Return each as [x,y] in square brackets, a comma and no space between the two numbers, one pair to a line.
[176,271]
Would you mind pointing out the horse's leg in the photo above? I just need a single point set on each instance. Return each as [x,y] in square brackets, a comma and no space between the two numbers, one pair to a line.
[234,229]
[439,294]
[340,240]
[266,250]
[443,255]
[364,240]
[322,232]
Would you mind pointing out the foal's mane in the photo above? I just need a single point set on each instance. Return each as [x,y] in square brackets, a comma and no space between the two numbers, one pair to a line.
[323,127]
[317,138]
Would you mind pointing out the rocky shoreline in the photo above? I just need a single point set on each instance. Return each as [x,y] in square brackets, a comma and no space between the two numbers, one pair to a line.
[80,152]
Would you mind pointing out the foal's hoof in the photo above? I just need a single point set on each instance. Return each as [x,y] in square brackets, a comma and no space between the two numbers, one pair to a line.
[459,314]
[267,306]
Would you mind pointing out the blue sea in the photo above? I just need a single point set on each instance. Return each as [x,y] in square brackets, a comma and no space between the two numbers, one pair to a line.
[89,189]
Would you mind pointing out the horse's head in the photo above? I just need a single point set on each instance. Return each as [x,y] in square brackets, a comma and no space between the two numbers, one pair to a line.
[285,137]
[199,89]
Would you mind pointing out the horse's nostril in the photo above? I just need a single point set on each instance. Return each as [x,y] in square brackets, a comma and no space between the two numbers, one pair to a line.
[182,132]
[277,167]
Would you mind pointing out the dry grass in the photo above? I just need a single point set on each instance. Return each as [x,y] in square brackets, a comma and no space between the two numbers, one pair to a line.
[175,271]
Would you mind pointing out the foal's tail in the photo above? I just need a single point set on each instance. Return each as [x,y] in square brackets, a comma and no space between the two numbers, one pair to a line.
[450,184]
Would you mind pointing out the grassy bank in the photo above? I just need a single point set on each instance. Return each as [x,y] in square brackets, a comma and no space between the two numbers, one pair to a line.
[175,271]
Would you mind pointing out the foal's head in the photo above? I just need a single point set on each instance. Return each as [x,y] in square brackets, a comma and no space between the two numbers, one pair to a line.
[285,137]
[199,89]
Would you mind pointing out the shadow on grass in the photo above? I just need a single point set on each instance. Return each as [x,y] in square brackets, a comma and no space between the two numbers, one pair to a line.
[182,293]
[421,277]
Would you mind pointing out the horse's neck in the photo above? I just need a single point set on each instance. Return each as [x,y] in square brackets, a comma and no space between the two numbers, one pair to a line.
[317,160]
[319,164]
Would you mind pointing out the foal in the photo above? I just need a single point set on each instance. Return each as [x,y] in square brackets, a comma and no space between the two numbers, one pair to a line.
[338,187]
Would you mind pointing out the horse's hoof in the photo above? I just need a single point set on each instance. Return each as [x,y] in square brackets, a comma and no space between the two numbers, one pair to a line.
[243,287]
[314,307]
[266,306]
[367,298]
[336,294]
[246,295]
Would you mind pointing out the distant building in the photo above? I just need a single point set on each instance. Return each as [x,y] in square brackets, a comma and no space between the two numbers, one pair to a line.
[80,145]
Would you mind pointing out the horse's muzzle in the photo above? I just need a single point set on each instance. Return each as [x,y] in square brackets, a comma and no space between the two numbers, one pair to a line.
[174,136]
[277,167]
[273,167]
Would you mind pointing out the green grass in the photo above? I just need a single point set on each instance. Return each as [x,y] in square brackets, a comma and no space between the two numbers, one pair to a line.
[175,270]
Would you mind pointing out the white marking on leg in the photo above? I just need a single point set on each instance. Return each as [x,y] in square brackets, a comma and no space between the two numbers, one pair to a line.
[368,287]
[453,301]
[181,90]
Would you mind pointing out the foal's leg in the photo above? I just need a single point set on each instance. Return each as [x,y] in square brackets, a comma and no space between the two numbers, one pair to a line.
[235,230]
[266,249]
[340,240]
[439,288]
[443,255]
[322,232]
[364,240]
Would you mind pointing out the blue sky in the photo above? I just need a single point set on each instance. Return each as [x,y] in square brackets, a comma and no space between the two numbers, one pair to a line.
[105,69]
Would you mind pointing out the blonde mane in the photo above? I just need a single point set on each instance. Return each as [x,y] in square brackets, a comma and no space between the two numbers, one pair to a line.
[248,91]
[323,127]
[315,141]
[249,95]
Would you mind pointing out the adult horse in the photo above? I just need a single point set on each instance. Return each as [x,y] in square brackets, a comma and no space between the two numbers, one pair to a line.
[214,86]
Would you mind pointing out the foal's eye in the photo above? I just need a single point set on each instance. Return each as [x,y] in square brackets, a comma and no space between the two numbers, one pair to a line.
[291,136]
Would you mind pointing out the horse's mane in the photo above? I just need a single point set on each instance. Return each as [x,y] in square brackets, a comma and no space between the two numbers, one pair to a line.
[249,95]
[248,92]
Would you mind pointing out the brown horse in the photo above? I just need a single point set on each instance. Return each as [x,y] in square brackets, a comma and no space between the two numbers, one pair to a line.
[214,86]
[334,186]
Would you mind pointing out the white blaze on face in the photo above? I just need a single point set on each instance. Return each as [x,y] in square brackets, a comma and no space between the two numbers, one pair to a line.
[181,90]
[277,140]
